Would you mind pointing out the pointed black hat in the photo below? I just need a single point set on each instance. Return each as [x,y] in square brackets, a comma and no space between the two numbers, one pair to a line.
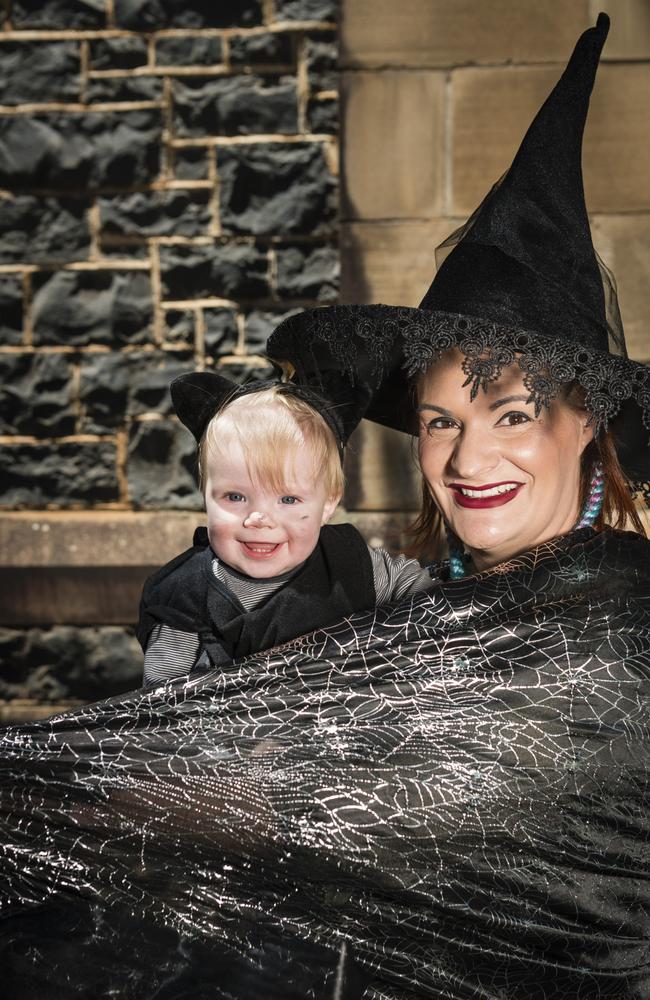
[520,282]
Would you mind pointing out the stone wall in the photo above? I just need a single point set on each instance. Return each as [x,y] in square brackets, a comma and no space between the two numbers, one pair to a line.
[168,192]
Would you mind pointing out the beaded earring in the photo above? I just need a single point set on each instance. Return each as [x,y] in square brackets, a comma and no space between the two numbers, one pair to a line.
[456,555]
[594,501]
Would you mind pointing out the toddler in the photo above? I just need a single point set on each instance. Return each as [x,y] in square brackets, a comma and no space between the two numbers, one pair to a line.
[268,568]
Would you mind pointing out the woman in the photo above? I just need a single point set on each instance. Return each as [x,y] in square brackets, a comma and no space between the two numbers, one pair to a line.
[443,799]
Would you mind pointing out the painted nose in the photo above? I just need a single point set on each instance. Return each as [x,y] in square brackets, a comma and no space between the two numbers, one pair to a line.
[257,519]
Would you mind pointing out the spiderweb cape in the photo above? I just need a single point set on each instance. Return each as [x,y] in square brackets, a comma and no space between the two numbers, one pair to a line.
[446,798]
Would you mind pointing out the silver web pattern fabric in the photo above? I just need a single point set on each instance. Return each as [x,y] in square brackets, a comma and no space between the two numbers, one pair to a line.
[446,799]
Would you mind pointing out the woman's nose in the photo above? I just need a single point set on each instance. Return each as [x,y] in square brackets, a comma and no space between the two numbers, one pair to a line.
[257,519]
[474,455]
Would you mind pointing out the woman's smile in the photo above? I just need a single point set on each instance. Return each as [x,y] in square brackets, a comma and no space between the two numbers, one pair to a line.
[481,497]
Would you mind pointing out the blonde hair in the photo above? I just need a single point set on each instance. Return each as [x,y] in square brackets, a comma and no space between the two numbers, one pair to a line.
[272,428]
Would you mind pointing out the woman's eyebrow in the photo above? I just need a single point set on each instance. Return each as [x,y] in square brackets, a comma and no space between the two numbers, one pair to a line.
[438,409]
[509,399]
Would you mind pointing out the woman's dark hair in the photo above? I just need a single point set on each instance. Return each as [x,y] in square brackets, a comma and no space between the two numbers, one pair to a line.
[619,510]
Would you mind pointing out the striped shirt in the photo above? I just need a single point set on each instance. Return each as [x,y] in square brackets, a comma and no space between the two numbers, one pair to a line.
[172,653]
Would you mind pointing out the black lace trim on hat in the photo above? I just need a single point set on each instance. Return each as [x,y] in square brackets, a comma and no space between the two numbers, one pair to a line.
[608,380]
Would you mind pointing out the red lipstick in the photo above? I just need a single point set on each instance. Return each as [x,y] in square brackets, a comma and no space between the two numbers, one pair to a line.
[484,502]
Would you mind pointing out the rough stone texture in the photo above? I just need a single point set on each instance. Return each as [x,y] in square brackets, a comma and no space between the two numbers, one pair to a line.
[323,115]
[35,395]
[390,262]
[124,88]
[221,334]
[191,164]
[260,324]
[11,308]
[90,149]
[115,386]
[43,229]
[179,326]
[231,272]
[156,213]
[388,120]
[270,188]
[61,14]
[161,466]
[242,105]
[273,49]
[148,15]
[189,50]
[306,10]
[38,71]
[150,381]
[492,109]
[246,370]
[321,54]
[118,53]
[103,392]
[69,473]
[92,307]
[306,272]
[52,664]
[421,33]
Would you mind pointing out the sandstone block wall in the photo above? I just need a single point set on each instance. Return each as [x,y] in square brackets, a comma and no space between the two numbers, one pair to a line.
[436,98]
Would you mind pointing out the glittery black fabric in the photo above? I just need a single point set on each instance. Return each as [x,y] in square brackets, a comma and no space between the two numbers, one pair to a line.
[444,799]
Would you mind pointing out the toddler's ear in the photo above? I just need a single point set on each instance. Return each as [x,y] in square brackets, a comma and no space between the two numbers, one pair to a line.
[330,506]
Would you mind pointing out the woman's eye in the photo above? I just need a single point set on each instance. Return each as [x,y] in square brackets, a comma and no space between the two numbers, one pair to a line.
[514,417]
[234,497]
[440,424]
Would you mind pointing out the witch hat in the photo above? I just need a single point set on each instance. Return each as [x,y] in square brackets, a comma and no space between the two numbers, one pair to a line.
[520,282]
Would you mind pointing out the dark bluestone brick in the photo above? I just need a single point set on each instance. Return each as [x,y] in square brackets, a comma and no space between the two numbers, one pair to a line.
[191,163]
[61,14]
[240,105]
[156,213]
[90,149]
[221,333]
[272,49]
[11,308]
[65,662]
[36,395]
[92,307]
[66,474]
[274,188]
[43,229]
[38,71]
[321,52]
[161,466]
[306,10]
[323,115]
[114,386]
[118,53]
[259,325]
[179,326]
[245,371]
[230,272]
[124,88]
[306,272]
[147,15]
[150,381]
[103,392]
[188,50]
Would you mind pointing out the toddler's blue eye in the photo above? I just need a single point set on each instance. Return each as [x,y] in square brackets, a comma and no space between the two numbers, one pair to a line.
[234,497]
[289,500]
